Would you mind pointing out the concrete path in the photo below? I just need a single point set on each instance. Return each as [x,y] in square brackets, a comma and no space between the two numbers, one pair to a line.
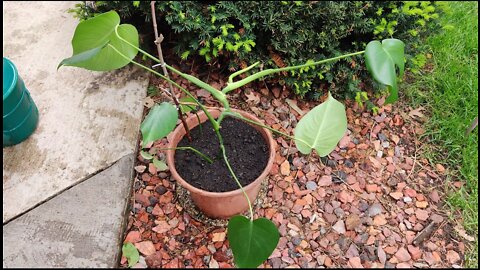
[82,227]
[88,121]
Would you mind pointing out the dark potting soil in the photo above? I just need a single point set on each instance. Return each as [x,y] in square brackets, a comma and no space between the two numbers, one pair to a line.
[246,151]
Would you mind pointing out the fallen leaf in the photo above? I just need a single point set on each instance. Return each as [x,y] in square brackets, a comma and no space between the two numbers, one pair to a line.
[131,253]
[417,112]
[452,256]
[459,229]
[293,105]
[253,97]
[148,102]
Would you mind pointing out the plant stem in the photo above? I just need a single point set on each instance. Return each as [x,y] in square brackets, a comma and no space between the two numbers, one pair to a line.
[235,85]
[209,116]
[215,92]
[236,115]
[205,157]
[230,78]
[236,179]
[158,40]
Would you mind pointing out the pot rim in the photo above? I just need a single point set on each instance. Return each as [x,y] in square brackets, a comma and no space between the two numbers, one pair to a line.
[171,163]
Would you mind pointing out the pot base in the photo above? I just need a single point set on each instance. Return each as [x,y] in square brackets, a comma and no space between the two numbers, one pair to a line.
[192,210]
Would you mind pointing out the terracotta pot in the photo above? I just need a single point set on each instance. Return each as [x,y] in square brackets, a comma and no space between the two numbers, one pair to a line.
[220,204]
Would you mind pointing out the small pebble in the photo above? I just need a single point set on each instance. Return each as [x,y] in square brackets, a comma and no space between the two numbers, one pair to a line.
[348,163]
[382,137]
[407,199]
[161,190]
[296,240]
[311,185]
[375,209]
[137,185]
[385,144]
[153,200]
[149,209]
[380,154]
[339,212]
[363,206]
[397,151]
[355,141]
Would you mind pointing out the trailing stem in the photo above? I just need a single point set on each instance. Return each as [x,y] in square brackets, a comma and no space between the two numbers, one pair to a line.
[232,86]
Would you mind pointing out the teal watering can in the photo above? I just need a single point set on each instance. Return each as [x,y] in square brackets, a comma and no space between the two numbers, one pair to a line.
[20,114]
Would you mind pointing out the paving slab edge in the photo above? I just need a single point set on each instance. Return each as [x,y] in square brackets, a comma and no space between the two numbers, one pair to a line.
[69,187]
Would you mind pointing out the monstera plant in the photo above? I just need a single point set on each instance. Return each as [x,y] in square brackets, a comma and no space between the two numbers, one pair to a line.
[102,44]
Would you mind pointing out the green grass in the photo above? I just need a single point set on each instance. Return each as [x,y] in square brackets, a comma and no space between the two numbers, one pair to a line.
[449,92]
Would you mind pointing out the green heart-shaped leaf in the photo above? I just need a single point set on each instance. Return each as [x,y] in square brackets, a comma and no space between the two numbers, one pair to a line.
[321,128]
[381,59]
[160,165]
[131,253]
[160,121]
[252,242]
[99,31]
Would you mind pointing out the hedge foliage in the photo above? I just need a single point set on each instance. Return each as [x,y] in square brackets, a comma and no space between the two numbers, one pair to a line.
[280,33]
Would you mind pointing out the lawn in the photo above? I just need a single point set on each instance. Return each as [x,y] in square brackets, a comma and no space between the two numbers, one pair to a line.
[449,92]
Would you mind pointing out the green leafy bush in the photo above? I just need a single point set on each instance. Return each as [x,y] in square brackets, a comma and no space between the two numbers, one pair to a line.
[283,33]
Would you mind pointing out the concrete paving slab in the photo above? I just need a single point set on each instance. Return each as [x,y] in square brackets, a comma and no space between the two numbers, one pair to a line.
[82,227]
[87,120]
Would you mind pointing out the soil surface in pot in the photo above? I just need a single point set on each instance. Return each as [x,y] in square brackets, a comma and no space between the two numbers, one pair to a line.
[246,151]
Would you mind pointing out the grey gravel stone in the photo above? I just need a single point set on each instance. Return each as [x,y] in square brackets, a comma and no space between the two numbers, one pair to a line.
[375,209]
[161,190]
[382,137]
[339,212]
[348,163]
[311,185]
